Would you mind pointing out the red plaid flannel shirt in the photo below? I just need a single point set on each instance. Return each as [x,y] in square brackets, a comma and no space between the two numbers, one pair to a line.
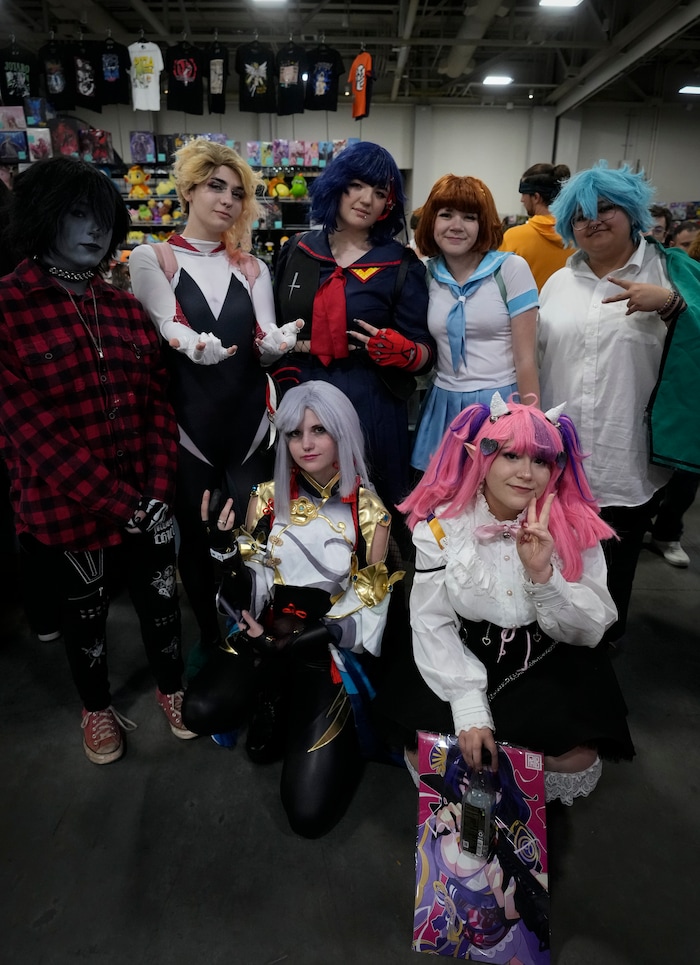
[83,443]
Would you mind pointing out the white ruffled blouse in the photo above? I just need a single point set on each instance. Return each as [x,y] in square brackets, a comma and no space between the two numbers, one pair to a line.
[486,581]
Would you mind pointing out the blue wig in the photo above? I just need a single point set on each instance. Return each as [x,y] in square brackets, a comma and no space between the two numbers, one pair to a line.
[631,192]
[363,162]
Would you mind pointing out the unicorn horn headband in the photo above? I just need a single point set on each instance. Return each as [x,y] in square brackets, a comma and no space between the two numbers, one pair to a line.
[499,408]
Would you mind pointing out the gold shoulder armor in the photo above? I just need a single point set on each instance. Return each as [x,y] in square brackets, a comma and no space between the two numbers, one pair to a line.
[371,513]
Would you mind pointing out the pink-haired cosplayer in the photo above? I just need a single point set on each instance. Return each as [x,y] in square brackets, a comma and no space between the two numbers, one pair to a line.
[509,598]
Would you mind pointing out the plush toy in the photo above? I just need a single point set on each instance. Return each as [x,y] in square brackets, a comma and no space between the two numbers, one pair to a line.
[166,187]
[145,213]
[177,214]
[273,184]
[135,237]
[154,208]
[136,178]
[165,211]
[299,187]
[281,190]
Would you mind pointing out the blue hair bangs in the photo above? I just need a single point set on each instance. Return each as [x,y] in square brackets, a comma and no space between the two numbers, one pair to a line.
[630,191]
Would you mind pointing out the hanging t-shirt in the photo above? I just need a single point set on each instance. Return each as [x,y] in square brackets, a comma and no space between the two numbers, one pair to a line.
[88,74]
[115,64]
[19,75]
[325,69]
[360,80]
[146,68]
[184,67]
[255,64]
[290,64]
[217,75]
[56,63]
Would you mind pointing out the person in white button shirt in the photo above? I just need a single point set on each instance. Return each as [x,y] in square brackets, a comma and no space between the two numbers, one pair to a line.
[602,327]
[509,599]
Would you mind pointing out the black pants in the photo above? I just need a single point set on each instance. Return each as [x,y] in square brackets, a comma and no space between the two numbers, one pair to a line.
[322,762]
[630,523]
[194,560]
[677,497]
[147,565]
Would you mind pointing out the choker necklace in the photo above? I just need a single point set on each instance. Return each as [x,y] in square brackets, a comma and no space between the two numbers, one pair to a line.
[96,342]
[67,275]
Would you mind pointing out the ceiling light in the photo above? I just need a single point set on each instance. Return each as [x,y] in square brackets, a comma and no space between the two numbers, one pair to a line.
[689,90]
[560,3]
[497,80]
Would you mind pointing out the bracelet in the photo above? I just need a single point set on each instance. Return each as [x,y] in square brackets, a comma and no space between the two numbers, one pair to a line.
[223,555]
[669,304]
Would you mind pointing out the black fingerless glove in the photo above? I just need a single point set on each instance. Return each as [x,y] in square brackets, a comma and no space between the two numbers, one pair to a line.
[222,543]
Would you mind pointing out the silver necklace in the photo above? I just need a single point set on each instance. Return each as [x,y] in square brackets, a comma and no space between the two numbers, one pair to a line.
[97,342]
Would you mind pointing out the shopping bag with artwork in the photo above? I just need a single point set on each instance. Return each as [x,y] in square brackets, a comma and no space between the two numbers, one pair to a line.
[481,857]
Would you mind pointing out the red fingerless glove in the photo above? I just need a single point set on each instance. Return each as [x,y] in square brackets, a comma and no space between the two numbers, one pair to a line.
[389,347]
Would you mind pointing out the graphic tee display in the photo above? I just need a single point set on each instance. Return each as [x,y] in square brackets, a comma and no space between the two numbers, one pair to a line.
[255,64]
[146,68]
[325,69]
[184,66]
[290,65]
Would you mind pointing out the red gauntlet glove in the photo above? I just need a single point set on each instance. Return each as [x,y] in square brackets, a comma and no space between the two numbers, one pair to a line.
[389,347]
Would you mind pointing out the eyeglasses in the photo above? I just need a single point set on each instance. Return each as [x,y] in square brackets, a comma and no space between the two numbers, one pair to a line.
[606,212]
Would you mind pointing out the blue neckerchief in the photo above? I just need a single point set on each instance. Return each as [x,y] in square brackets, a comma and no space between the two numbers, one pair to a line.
[456,326]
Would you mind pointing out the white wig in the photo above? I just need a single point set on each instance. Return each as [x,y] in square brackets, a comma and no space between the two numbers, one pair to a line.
[338,417]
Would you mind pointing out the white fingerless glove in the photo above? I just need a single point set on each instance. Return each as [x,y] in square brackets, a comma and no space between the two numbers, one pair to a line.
[270,345]
[213,352]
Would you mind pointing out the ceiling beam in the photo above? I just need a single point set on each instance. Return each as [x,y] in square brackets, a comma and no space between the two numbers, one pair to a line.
[668,28]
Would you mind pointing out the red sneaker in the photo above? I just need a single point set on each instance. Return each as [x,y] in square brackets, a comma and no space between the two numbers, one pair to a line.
[102,737]
[171,705]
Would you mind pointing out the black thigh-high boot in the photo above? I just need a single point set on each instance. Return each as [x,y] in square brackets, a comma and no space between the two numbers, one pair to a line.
[322,761]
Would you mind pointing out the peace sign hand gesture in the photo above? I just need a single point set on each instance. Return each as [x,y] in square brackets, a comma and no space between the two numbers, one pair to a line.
[534,542]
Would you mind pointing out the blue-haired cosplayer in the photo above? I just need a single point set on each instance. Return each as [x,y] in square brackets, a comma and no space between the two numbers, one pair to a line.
[618,334]
[363,300]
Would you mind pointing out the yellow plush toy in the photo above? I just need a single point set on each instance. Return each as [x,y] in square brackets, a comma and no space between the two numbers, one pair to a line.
[136,178]
[166,187]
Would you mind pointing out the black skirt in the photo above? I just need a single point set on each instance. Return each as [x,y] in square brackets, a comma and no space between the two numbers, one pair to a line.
[559,698]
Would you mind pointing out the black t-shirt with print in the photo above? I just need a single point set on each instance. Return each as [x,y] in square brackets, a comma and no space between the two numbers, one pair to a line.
[290,64]
[115,65]
[255,64]
[56,64]
[88,76]
[184,65]
[217,75]
[325,70]
[19,75]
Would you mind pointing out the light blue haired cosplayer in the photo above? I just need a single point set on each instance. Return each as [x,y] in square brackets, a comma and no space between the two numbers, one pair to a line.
[337,415]
[630,191]
[366,162]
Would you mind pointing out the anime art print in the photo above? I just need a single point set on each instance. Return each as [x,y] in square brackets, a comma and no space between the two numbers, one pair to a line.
[39,143]
[13,147]
[493,909]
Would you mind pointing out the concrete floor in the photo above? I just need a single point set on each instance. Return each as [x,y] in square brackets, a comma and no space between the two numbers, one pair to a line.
[180,854]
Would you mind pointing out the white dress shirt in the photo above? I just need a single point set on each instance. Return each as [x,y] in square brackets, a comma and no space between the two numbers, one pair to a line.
[604,365]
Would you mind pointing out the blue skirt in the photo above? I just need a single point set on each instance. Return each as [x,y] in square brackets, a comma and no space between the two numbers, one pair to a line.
[440,407]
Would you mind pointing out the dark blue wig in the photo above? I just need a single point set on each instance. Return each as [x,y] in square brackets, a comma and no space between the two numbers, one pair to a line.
[363,162]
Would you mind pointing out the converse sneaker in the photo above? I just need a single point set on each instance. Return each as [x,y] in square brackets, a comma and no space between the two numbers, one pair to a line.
[102,738]
[672,552]
[171,705]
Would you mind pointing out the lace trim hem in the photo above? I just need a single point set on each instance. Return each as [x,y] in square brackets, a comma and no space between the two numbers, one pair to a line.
[565,787]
